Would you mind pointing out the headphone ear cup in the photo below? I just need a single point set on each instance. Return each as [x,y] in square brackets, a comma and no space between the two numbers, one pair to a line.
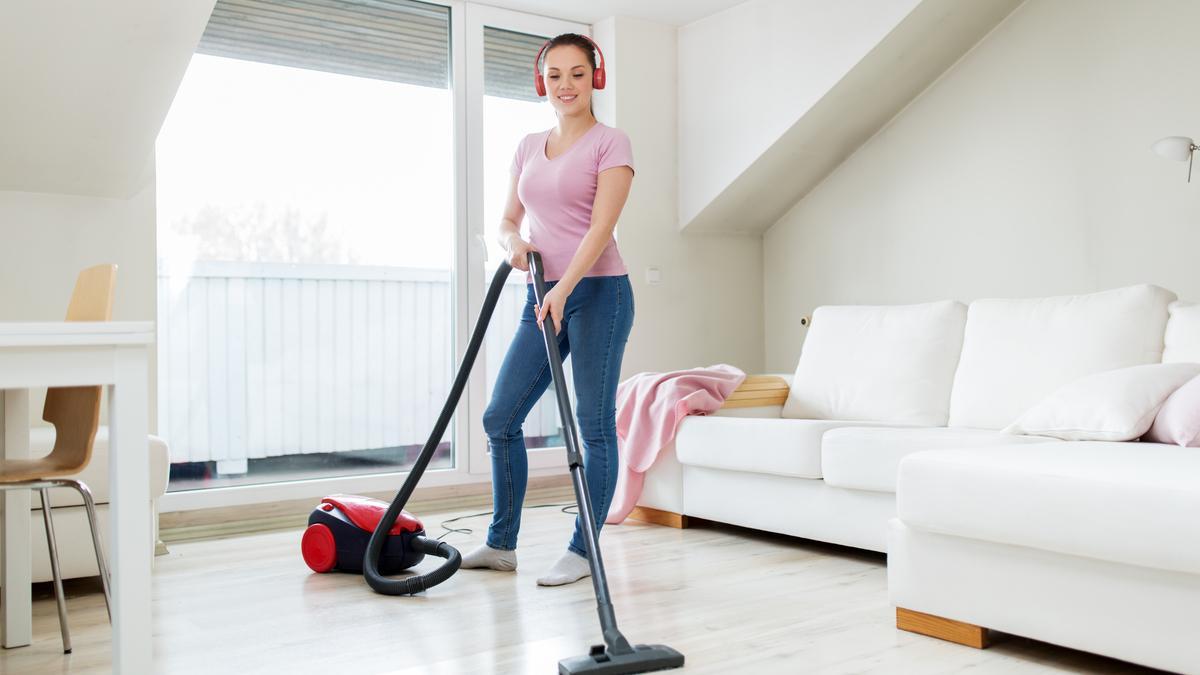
[598,78]
[539,85]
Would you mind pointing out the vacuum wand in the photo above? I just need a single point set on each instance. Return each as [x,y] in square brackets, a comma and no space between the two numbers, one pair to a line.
[616,655]
[608,620]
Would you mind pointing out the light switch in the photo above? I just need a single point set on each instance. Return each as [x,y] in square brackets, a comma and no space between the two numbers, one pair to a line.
[653,276]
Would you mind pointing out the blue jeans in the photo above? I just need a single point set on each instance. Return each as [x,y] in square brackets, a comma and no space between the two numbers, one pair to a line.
[596,323]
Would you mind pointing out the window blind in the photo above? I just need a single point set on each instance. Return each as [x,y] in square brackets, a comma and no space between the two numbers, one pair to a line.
[396,40]
[508,63]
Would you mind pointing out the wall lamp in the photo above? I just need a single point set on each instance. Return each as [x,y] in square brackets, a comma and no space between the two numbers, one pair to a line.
[1179,148]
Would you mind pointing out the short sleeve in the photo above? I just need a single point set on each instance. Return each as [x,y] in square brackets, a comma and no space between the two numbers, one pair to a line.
[518,160]
[615,150]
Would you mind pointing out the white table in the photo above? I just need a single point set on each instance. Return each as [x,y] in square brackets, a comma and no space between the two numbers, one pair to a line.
[110,353]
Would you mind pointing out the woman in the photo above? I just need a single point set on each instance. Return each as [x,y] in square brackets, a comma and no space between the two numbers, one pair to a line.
[572,182]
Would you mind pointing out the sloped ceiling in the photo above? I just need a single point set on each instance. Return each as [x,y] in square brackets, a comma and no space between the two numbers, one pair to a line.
[85,87]
[926,43]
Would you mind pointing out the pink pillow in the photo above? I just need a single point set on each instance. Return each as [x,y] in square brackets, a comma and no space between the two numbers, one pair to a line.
[1178,421]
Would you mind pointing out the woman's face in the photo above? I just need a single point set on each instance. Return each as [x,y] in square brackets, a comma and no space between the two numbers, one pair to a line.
[568,78]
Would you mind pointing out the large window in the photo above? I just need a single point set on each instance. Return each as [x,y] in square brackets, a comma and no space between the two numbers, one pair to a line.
[317,235]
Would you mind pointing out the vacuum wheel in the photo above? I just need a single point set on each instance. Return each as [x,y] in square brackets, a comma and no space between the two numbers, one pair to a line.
[318,548]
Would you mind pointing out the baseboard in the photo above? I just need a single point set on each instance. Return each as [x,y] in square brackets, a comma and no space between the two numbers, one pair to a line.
[231,521]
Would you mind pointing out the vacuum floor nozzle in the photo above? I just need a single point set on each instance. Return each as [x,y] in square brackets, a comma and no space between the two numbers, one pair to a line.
[643,659]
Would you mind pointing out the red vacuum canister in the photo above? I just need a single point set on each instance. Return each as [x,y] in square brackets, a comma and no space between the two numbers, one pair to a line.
[340,527]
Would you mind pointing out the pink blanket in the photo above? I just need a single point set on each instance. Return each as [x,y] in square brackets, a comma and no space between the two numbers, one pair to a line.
[649,409]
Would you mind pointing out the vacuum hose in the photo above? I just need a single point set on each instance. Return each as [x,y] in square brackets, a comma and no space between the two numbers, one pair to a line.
[421,582]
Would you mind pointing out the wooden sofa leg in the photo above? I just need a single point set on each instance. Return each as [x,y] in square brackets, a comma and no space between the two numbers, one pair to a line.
[657,517]
[945,629]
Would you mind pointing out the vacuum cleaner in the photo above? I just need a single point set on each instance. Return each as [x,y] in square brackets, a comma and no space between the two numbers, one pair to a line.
[340,527]
[358,534]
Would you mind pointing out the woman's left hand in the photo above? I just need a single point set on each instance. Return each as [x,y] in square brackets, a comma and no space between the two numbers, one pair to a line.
[552,305]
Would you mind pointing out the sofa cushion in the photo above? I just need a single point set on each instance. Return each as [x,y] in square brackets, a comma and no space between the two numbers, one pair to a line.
[890,364]
[1115,405]
[781,447]
[1132,503]
[1017,352]
[1181,342]
[95,475]
[866,458]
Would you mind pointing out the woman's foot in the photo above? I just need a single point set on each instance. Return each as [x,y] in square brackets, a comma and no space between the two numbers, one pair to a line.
[486,557]
[571,567]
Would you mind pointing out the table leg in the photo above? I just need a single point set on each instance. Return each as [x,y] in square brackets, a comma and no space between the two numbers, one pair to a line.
[129,476]
[16,560]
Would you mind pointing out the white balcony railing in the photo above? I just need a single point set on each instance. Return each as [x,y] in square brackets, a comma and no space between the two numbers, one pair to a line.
[263,360]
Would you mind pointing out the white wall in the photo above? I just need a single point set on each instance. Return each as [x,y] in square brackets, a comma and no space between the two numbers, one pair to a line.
[86,86]
[1025,170]
[49,238]
[750,72]
[708,308]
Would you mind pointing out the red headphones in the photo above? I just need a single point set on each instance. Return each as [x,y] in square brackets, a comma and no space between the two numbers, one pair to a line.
[598,76]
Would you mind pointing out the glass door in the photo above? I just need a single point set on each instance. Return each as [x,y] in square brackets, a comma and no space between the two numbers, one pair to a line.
[502,107]
[307,227]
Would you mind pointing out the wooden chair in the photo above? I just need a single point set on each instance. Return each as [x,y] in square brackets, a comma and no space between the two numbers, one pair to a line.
[75,414]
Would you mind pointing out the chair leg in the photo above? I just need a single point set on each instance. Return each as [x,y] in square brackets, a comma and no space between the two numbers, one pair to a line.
[89,505]
[59,595]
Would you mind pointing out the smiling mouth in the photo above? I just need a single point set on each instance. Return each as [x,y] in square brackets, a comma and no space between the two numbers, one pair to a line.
[568,99]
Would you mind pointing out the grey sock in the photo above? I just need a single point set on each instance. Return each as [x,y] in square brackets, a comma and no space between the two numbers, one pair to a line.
[487,557]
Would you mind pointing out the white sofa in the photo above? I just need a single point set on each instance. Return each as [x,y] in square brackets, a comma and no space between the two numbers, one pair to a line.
[890,439]
[75,552]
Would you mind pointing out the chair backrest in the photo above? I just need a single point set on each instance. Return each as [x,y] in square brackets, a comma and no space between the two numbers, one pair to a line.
[75,411]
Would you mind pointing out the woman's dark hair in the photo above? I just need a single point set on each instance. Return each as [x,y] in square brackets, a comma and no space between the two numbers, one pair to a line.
[574,40]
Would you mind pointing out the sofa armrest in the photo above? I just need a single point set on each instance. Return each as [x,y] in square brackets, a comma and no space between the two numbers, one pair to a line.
[786,377]
[758,391]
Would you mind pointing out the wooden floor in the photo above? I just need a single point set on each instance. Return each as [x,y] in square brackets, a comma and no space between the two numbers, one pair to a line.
[732,600]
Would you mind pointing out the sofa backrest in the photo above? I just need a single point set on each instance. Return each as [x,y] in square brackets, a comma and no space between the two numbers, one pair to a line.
[1017,352]
[1182,341]
[890,364]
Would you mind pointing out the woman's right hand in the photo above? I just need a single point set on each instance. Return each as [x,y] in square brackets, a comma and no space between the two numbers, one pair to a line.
[518,252]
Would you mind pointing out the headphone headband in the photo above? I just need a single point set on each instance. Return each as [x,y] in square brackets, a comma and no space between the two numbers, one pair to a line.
[599,76]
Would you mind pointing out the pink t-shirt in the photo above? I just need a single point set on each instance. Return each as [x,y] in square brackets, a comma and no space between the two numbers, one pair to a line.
[558,195]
